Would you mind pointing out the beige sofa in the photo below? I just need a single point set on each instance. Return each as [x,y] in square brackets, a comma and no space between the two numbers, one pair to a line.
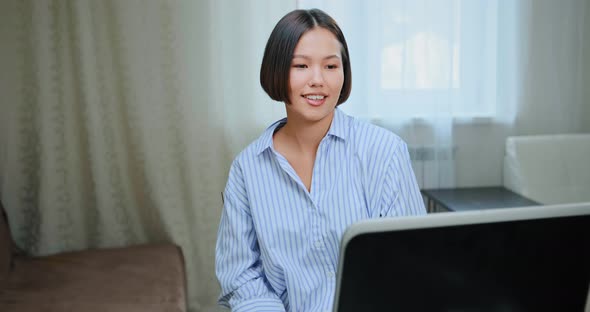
[549,169]
[141,278]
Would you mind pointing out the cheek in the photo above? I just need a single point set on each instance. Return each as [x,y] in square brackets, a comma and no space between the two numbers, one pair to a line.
[294,86]
[296,80]
[338,81]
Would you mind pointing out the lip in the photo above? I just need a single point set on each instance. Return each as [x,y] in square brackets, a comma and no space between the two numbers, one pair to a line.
[315,102]
[315,93]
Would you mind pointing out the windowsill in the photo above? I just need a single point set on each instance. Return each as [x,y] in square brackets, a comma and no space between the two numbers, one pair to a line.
[473,120]
[425,120]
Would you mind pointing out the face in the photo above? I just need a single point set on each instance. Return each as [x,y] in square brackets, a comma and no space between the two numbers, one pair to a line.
[316,76]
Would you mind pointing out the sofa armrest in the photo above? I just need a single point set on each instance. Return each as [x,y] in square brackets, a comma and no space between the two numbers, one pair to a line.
[549,169]
[5,246]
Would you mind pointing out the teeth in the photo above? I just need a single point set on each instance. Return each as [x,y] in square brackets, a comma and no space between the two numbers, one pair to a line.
[315,97]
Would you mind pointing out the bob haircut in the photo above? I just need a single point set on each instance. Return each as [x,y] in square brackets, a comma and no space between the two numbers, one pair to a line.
[278,54]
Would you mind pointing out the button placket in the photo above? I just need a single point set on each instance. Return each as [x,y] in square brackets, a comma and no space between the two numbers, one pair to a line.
[318,242]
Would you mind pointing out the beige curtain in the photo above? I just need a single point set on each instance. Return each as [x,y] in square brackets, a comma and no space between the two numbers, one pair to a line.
[119,120]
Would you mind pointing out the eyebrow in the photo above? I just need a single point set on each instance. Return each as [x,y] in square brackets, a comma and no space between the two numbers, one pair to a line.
[308,58]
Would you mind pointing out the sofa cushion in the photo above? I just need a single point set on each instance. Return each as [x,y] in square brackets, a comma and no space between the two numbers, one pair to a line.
[549,169]
[142,278]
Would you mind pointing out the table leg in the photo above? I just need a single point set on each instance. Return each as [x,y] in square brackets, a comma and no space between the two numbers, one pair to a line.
[431,206]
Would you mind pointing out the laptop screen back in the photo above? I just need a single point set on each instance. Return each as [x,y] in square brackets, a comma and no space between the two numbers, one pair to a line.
[517,265]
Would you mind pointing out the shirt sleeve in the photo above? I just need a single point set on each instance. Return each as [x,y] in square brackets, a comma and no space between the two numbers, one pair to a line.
[401,194]
[244,286]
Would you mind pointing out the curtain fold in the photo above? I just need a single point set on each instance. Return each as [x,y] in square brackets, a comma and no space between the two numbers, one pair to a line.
[553,69]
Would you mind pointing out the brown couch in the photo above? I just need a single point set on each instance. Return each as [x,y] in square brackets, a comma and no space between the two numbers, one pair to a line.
[140,278]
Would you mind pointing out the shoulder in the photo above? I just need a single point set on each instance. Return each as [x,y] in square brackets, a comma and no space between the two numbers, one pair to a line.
[254,151]
[370,139]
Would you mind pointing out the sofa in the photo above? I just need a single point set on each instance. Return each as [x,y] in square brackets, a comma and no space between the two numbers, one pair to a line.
[139,278]
[549,169]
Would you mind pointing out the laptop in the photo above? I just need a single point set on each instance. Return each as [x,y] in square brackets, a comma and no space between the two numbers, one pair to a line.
[517,259]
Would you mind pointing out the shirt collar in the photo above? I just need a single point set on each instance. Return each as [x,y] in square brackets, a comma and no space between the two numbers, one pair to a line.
[337,129]
[265,141]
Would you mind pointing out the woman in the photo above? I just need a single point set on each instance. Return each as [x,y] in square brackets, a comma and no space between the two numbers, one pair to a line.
[291,193]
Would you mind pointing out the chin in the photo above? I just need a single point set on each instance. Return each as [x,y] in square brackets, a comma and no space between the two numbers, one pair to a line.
[318,113]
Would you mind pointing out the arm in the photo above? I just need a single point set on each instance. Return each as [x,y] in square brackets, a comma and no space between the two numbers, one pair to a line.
[238,267]
[401,194]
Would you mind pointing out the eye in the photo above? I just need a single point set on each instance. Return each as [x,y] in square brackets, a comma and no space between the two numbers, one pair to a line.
[332,66]
[299,66]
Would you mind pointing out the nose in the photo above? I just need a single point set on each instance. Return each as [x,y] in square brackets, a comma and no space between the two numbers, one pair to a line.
[317,78]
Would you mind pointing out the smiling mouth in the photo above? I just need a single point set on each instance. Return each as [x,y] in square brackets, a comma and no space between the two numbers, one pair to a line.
[315,99]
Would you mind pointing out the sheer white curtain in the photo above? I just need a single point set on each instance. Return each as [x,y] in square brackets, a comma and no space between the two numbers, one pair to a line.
[445,74]
[417,65]
[552,45]
[120,120]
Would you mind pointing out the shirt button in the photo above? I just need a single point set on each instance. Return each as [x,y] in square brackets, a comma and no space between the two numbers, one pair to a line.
[318,244]
[330,274]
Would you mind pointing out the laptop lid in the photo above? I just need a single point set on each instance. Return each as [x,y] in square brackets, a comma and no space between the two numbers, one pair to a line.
[517,259]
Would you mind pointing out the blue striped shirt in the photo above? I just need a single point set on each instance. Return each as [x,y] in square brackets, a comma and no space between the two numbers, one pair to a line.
[278,244]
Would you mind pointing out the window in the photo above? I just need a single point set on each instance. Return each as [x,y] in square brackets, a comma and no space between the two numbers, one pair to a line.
[418,58]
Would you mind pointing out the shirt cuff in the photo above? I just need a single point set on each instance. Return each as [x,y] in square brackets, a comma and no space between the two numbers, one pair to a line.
[260,305]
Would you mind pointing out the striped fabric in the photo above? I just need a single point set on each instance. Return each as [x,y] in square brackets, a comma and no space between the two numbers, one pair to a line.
[278,244]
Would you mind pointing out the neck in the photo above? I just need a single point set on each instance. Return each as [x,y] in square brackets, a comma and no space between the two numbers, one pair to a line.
[307,135]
